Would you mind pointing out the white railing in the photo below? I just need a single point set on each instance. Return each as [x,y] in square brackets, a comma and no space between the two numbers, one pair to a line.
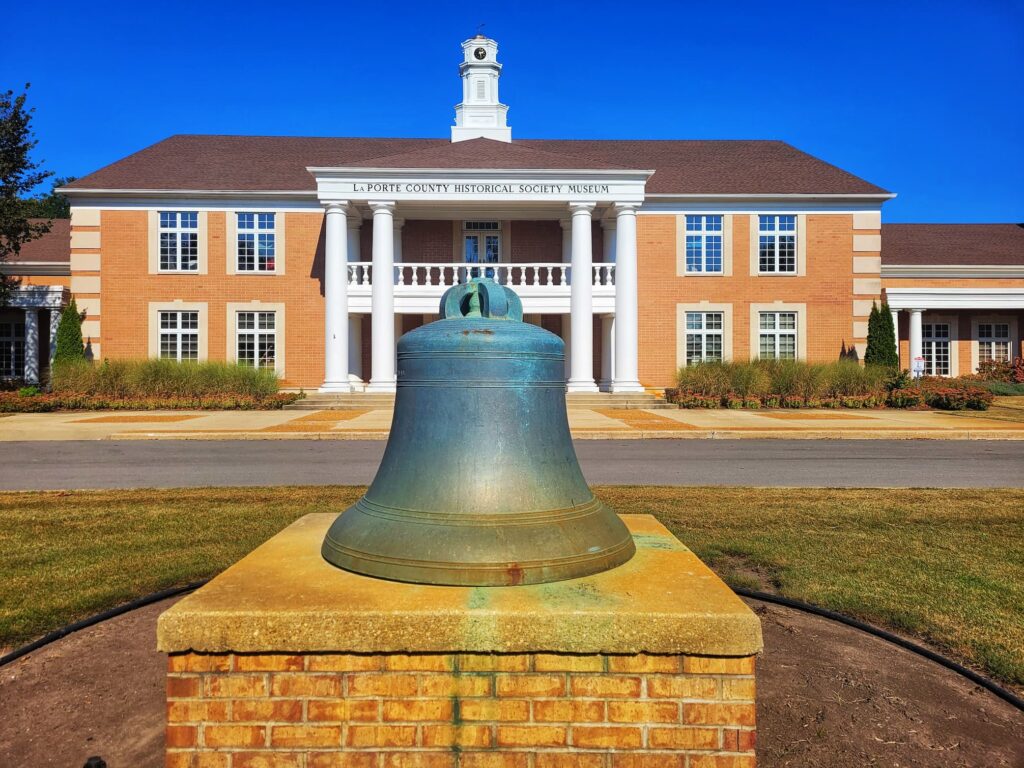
[554,276]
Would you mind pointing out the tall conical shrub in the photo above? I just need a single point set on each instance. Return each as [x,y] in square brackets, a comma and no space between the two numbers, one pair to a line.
[69,336]
[881,338]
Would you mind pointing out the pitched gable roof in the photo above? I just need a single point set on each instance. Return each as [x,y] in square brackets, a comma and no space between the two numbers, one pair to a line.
[278,163]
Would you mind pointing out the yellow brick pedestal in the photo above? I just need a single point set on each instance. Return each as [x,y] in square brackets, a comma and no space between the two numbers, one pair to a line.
[284,660]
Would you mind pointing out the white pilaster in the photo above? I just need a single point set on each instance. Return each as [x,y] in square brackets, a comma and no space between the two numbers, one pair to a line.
[915,336]
[336,328]
[626,376]
[607,352]
[608,242]
[567,342]
[31,346]
[382,298]
[354,244]
[566,240]
[581,353]
[355,351]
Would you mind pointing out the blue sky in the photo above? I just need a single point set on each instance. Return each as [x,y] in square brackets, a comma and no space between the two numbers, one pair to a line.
[923,98]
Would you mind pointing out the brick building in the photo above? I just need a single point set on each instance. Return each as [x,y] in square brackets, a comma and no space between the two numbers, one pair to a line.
[312,255]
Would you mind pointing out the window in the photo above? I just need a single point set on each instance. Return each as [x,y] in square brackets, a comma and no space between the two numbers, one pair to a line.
[179,241]
[993,342]
[935,348]
[256,242]
[777,335]
[12,350]
[482,245]
[256,339]
[703,337]
[777,244]
[179,335]
[704,243]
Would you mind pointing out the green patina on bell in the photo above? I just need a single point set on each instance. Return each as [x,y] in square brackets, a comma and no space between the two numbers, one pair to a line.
[479,484]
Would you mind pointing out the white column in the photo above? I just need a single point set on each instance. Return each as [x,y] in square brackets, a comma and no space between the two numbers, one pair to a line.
[336,328]
[896,330]
[382,298]
[607,352]
[354,244]
[566,240]
[581,353]
[54,324]
[31,346]
[915,336]
[567,341]
[626,376]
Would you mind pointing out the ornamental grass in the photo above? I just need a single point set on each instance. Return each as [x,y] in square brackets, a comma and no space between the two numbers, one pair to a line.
[131,379]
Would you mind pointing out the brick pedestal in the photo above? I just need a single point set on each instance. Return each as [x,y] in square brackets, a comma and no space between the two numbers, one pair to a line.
[579,677]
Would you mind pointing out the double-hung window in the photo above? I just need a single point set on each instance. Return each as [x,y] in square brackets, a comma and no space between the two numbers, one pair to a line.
[179,241]
[703,337]
[179,336]
[777,244]
[256,339]
[935,348]
[993,342]
[256,247]
[704,244]
[777,335]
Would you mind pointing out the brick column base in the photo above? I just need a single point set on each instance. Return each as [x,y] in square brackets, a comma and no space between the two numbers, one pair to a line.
[476,710]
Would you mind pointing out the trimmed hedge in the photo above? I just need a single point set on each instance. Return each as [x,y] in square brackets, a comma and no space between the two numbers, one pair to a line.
[14,402]
[843,384]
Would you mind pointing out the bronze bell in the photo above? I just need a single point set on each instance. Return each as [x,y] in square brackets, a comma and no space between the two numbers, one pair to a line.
[479,484]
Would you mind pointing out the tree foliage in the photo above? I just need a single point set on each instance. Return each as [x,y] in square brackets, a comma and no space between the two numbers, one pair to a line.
[881,348]
[70,347]
[52,204]
[19,175]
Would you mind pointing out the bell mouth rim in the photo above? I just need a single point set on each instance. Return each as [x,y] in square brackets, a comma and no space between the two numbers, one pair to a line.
[462,574]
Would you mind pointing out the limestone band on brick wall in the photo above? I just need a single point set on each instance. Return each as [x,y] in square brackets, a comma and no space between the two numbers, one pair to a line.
[466,710]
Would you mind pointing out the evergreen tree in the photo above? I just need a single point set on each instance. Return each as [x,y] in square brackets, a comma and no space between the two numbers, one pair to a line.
[69,336]
[19,175]
[881,348]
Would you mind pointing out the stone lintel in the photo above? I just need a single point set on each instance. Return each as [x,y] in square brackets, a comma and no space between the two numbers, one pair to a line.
[285,598]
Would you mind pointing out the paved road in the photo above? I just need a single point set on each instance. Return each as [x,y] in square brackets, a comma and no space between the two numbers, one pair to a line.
[828,463]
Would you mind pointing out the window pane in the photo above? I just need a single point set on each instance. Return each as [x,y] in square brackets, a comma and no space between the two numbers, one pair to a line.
[189,220]
[245,221]
[767,321]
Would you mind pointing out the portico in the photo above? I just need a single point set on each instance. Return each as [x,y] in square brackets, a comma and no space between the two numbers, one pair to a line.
[568,282]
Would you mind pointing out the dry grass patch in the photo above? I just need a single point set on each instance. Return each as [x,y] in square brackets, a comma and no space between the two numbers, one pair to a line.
[943,565]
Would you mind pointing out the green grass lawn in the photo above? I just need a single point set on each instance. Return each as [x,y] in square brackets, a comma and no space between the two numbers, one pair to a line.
[946,566]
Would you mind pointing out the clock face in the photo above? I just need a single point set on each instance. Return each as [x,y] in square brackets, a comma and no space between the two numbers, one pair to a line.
[480,53]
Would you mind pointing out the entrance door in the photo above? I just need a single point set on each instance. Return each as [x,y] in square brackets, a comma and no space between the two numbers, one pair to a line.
[12,346]
[481,245]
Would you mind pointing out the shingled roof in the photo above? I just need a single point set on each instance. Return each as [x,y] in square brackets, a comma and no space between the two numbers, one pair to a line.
[52,248]
[278,163]
[953,244]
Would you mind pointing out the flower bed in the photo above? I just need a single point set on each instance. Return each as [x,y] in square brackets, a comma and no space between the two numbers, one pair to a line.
[15,402]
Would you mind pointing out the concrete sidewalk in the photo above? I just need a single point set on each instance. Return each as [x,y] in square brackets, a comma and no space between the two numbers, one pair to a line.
[356,424]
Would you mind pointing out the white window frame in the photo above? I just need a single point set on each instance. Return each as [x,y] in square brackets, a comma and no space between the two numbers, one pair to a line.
[232,311]
[702,334]
[258,230]
[700,227]
[990,339]
[777,333]
[258,333]
[154,310]
[178,230]
[929,345]
[178,333]
[768,228]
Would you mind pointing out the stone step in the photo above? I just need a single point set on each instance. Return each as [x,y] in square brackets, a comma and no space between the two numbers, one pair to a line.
[316,401]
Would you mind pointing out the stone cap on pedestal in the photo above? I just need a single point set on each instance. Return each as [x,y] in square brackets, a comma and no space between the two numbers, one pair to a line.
[285,598]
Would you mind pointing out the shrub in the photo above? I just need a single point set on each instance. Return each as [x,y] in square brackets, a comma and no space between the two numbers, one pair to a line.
[69,348]
[905,397]
[958,399]
[1007,372]
[708,379]
[12,402]
[119,379]
[881,348]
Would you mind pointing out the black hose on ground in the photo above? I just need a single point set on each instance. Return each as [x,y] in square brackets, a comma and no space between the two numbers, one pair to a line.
[920,650]
[765,597]
[142,602]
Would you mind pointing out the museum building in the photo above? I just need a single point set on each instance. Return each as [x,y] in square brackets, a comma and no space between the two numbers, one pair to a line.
[313,255]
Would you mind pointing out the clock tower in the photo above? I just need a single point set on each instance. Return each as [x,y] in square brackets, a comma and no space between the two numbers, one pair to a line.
[480,115]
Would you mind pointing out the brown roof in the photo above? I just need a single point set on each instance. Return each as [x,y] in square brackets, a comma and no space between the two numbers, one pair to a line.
[953,244]
[278,163]
[54,247]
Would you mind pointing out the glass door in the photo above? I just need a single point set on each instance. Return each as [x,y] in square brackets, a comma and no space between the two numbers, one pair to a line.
[482,245]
